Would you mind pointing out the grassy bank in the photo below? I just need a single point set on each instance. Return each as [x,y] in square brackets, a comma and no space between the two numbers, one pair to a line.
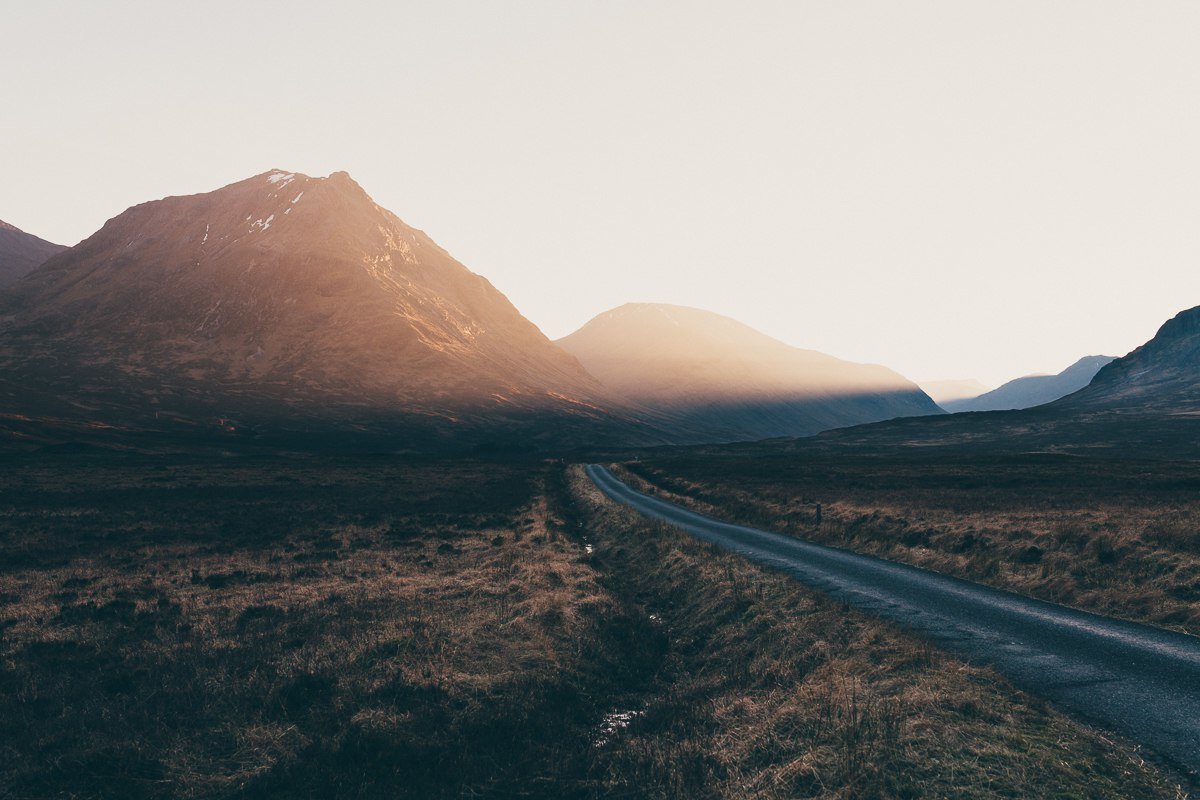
[770,691]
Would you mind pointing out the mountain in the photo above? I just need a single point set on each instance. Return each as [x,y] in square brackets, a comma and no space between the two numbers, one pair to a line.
[287,303]
[727,382]
[1033,390]
[946,391]
[21,252]
[1143,405]
[1160,377]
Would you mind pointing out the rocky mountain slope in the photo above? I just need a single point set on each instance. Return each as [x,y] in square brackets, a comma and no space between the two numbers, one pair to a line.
[1033,390]
[727,382]
[1162,376]
[21,253]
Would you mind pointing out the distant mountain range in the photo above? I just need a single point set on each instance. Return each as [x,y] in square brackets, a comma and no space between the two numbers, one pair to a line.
[21,252]
[293,311]
[728,382]
[1145,404]
[1032,390]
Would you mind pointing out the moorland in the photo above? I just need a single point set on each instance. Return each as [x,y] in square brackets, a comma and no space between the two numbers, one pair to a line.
[178,626]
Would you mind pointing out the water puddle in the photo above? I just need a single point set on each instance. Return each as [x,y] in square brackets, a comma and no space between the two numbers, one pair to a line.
[613,724]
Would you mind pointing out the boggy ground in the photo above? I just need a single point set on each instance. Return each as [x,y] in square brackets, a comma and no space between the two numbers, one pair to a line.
[1115,536]
[308,627]
[296,628]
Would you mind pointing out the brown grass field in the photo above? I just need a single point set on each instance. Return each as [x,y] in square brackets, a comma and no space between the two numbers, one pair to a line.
[373,627]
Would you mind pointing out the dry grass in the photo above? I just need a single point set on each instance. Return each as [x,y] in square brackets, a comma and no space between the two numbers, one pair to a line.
[1118,538]
[383,628]
[770,691]
[412,630]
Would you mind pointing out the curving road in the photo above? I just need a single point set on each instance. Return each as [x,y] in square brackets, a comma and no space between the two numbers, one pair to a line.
[1140,681]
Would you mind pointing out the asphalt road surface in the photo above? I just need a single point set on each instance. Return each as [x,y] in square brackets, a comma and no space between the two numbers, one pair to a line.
[1142,682]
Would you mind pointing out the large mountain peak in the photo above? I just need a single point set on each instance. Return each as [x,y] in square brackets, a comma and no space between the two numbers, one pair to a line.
[300,292]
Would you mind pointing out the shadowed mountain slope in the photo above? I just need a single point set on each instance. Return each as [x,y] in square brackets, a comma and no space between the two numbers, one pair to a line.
[1033,390]
[21,253]
[728,382]
[1162,376]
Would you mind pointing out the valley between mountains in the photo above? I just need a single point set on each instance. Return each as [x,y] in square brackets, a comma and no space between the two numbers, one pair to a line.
[294,505]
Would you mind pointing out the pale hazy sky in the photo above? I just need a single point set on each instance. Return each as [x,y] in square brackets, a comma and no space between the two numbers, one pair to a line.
[954,189]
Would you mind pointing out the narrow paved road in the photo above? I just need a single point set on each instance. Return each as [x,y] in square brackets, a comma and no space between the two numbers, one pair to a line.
[1141,682]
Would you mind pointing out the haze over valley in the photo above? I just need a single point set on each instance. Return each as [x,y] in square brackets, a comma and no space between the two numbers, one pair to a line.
[1031,390]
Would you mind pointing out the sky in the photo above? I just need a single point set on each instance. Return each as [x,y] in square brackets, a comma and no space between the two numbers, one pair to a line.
[954,189]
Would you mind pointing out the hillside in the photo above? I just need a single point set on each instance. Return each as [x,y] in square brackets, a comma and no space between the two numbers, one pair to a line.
[1162,376]
[21,253]
[728,382]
